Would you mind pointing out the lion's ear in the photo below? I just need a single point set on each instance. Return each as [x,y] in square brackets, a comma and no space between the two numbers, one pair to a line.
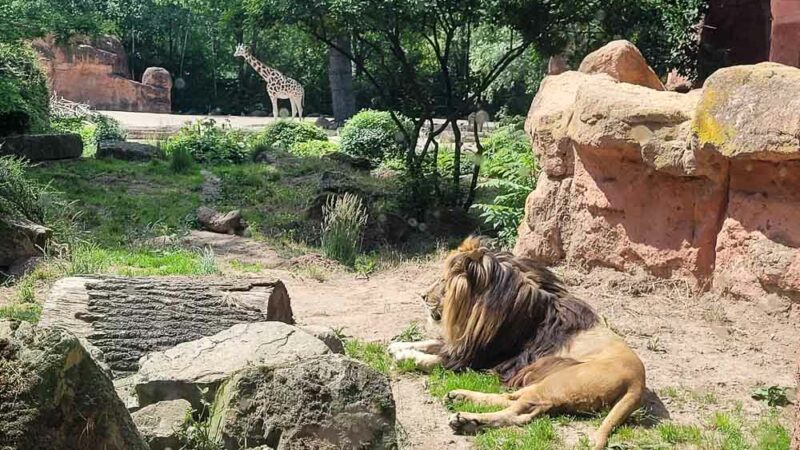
[470,244]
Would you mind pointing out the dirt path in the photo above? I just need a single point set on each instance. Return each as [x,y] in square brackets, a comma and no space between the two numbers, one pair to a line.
[701,354]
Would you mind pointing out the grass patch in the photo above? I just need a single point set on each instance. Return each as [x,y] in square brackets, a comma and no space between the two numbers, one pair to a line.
[27,312]
[241,266]
[442,381]
[537,435]
[93,259]
[370,353]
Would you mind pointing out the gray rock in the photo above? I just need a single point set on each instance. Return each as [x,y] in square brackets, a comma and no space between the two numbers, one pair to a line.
[128,151]
[182,371]
[231,222]
[160,422]
[42,147]
[326,402]
[326,335]
[21,240]
[128,317]
[54,396]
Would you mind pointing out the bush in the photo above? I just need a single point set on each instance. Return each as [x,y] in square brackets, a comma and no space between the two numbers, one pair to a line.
[343,223]
[374,135]
[93,128]
[180,160]
[208,143]
[284,134]
[21,197]
[24,100]
[510,170]
[316,149]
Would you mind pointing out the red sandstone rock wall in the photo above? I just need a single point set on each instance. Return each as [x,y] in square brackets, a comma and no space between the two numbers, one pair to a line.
[785,43]
[95,72]
[704,186]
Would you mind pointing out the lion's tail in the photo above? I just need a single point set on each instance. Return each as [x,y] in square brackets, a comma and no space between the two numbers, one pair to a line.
[618,414]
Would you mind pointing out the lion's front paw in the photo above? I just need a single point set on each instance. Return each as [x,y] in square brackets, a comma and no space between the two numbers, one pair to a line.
[396,347]
[462,424]
[458,395]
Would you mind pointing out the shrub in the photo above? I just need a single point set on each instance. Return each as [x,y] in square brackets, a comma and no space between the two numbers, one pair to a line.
[19,195]
[373,135]
[314,148]
[284,134]
[344,219]
[24,100]
[209,143]
[510,170]
[23,197]
[180,160]
[93,128]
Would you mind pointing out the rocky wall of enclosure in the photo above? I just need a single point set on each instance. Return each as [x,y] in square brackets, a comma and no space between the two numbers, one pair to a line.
[95,72]
[703,186]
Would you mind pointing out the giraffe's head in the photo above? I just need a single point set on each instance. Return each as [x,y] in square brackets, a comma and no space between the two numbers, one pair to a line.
[241,51]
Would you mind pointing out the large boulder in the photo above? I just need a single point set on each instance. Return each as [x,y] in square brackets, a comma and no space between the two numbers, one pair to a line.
[127,318]
[182,371]
[157,77]
[160,422]
[22,240]
[94,71]
[42,147]
[623,62]
[703,186]
[128,151]
[327,402]
[54,395]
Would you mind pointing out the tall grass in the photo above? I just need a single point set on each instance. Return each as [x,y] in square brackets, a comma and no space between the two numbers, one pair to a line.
[181,160]
[342,228]
[19,194]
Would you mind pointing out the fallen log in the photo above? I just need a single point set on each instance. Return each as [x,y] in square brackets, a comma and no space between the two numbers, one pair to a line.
[127,318]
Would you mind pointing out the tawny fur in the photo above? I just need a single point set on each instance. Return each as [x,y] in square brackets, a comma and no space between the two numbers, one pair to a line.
[514,316]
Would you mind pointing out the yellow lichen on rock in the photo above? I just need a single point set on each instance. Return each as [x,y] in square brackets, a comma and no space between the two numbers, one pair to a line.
[706,126]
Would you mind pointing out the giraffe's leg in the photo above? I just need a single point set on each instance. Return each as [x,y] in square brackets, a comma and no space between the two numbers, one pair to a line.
[300,106]
[274,101]
[294,107]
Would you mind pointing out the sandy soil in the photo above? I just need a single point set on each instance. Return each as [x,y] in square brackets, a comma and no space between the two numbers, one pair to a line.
[697,345]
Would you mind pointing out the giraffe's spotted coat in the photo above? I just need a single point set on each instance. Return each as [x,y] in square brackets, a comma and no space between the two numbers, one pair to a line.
[279,86]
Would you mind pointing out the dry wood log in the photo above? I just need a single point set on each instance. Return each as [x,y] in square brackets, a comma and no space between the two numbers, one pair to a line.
[127,318]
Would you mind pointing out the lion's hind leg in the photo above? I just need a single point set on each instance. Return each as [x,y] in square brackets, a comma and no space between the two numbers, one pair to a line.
[520,412]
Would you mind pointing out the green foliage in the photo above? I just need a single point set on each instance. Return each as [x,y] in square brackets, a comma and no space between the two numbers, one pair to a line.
[411,333]
[314,149]
[19,194]
[370,353]
[195,434]
[344,219]
[180,160]
[209,143]
[537,435]
[373,135]
[443,381]
[510,172]
[93,129]
[24,99]
[26,312]
[772,395]
[284,134]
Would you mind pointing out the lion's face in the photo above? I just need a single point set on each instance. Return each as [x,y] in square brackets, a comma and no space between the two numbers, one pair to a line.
[434,300]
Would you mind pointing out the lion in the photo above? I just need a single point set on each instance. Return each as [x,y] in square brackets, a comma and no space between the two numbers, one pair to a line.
[513,316]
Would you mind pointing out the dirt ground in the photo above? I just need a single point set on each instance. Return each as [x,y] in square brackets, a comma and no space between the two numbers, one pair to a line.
[694,346]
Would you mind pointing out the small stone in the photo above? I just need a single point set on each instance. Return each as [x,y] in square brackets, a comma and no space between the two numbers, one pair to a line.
[160,422]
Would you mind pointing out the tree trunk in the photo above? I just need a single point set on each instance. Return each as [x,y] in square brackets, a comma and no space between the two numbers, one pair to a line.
[126,318]
[340,75]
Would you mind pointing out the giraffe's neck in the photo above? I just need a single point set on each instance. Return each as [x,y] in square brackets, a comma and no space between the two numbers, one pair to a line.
[267,73]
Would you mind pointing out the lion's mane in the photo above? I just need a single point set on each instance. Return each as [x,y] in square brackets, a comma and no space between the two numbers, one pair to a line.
[504,313]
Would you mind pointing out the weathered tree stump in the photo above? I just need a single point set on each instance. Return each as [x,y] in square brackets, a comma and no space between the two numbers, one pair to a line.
[127,318]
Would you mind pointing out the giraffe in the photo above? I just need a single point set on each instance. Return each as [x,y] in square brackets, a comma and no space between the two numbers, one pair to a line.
[279,86]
